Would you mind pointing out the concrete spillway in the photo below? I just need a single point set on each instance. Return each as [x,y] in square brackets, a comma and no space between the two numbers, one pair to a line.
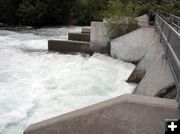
[144,113]
[157,78]
[132,46]
[152,71]
[151,55]
[128,114]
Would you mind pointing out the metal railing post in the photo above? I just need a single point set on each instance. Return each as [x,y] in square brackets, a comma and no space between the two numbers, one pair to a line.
[169,35]
[162,27]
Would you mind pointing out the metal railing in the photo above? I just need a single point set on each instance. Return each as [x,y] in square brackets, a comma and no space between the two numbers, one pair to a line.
[171,19]
[168,26]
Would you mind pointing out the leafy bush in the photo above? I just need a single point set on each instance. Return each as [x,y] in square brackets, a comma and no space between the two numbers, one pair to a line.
[119,9]
[87,10]
[172,6]
[121,18]
[118,29]
[31,15]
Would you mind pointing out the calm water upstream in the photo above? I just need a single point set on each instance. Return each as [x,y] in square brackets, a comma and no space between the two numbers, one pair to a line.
[36,84]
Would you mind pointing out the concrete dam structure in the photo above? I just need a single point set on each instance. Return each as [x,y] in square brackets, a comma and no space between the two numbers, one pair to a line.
[155,50]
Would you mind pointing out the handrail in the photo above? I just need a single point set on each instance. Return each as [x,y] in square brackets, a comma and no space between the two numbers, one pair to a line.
[168,14]
[171,19]
[170,38]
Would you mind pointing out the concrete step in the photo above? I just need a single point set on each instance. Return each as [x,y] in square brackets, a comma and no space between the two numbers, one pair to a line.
[86,30]
[69,46]
[79,36]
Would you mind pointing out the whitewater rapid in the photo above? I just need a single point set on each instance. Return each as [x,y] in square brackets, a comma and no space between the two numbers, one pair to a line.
[36,84]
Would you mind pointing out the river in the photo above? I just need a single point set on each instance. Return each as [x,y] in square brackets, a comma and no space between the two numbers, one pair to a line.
[36,84]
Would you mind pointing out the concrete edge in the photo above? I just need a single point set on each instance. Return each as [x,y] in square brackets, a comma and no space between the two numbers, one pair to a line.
[131,32]
[70,41]
[86,30]
[79,37]
[133,99]
[157,78]
[69,46]
[139,72]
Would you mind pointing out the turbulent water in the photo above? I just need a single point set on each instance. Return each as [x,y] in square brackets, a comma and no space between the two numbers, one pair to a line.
[36,84]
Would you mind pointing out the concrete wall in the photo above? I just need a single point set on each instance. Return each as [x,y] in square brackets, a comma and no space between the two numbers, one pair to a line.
[132,46]
[150,57]
[69,46]
[157,78]
[86,30]
[143,21]
[99,37]
[79,36]
[127,114]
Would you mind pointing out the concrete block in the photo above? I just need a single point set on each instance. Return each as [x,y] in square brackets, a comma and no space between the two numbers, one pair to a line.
[99,37]
[158,77]
[143,21]
[150,57]
[127,114]
[79,37]
[132,47]
[86,30]
[169,92]
[69,46]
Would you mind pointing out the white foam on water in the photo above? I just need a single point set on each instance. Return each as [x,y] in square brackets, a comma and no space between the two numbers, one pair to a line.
[36,84]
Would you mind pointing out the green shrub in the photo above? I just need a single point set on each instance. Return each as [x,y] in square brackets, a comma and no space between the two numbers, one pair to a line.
[116,29]
[121,18]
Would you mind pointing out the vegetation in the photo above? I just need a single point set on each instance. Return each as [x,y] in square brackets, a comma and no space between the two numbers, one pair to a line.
[50,12]
[121,14]
[120,28]
[121,18]
[87,10]
[58,12]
